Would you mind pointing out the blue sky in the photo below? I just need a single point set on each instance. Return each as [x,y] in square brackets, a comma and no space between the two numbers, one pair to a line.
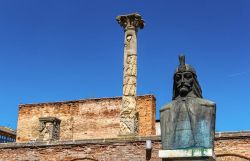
[67,50]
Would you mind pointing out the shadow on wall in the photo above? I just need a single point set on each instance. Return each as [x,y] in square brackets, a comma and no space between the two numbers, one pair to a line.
[84,159]
[232,157]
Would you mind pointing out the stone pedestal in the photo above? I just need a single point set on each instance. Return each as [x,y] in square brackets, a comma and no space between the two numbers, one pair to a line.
[129,113]
[195,154]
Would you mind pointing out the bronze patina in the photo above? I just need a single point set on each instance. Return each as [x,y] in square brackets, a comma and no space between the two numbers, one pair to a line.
[189,120]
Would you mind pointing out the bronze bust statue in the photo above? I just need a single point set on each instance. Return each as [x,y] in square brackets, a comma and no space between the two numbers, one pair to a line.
[188,121]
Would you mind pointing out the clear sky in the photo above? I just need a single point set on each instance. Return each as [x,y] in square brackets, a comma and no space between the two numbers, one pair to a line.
[68,50]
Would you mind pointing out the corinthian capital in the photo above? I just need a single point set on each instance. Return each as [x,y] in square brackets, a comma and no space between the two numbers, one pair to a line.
[131,21]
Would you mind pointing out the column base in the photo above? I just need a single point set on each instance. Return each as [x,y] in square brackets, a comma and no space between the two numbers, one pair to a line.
[192,154]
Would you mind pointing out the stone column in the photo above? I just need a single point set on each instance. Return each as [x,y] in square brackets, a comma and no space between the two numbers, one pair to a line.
[129,114]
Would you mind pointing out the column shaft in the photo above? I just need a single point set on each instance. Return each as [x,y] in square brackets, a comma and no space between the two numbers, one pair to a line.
[129,116]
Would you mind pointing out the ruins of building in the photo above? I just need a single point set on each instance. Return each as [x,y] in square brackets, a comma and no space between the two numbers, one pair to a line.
[81,119]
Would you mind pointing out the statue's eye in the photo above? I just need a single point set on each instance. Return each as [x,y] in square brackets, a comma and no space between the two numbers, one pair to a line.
[188,75]
[177,77]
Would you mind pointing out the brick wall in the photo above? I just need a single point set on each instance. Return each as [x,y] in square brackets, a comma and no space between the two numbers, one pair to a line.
[235,147]
[84,119]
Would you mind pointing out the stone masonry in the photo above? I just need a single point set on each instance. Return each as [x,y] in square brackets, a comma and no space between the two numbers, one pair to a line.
[129,113]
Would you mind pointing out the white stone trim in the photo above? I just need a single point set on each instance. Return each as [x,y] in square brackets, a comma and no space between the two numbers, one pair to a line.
[187,153]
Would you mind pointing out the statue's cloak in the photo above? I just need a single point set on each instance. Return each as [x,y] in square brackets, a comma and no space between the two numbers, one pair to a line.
[188,122]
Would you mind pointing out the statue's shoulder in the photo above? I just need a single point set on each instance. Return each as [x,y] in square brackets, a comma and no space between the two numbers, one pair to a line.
[205,102]
[167,106]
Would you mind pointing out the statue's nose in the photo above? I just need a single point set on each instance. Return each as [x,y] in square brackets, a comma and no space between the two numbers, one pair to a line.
[182,79]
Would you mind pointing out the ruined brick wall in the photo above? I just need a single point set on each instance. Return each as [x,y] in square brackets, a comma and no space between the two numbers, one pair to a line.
[234,148]
[84,119]
[147,113]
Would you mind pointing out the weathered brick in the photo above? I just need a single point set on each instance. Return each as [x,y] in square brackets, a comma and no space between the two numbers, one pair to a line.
[84,119]
[115,149]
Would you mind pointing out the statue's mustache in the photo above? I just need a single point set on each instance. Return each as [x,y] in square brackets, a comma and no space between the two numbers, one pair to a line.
[183,84]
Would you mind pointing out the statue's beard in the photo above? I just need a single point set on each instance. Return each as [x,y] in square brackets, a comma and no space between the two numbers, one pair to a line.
[184,89]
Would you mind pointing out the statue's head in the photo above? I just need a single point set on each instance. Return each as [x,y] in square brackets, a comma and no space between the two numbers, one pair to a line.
[185,81]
